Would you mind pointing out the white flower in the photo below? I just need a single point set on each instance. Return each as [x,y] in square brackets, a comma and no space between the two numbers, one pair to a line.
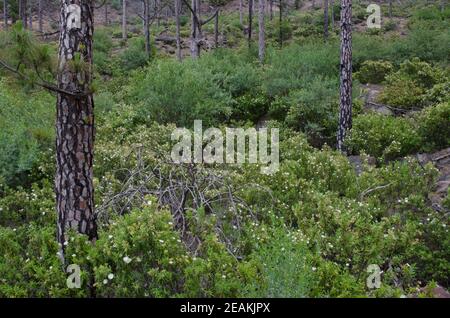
[65,243]
[74,255]
[43,213]
[126,259]
[170,262]
[161,241]
[105,281]
[224,276]
[110,236]
[313,269]
[110,276]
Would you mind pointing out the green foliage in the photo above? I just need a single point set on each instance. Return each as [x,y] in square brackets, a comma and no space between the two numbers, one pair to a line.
[373,72]
[134,56]
[433,126]
[383,137]
[26,131]
[408,86]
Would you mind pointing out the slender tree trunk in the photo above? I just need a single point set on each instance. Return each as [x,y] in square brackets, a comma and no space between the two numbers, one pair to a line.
[124,20]
[261,37]
[281,23]
[332,14]
[146,4]
[178,26]
[325,20]
[250,21]
[23,13]
[106,13]
[30,15]
[271,9]
[195,29]
[443,3]
[314,4]
[241,14]
[40,20]
[216,30]
[75,126]
[345,106]
[5,13]
[390,9]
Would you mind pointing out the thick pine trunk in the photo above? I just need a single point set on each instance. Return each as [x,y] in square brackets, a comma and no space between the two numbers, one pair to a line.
[325,19]
[178,27]
[345,106]
[124,20]
[75,125]
[261,37]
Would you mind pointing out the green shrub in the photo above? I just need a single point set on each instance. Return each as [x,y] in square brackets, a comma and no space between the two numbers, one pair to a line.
[407,87]
[373,71]
[434,126]
[383,137]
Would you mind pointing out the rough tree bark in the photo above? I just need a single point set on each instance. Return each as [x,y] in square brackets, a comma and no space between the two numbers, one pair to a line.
[124,20]
[261,37]
[325,20]
[178,27]
[75,123]
[345,105]
[250,21]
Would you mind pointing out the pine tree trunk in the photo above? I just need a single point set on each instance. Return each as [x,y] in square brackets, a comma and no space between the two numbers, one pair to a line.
[5,13]
[23,13]
[216,30]
[124,20]
[261,37]
[241,14]
[106,13]
[390,8]
[146,4]
[345,105]
[178,27]
[30,16]
[75,126]
[271,9]
[332,14]
[250,21]
[40,21]
[325,20]
[195,29]
[281,23]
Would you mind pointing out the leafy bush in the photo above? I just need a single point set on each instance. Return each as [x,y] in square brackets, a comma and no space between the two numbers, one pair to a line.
[134,56]
[407,87]
[433,126]
[373,71]
[383,137]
